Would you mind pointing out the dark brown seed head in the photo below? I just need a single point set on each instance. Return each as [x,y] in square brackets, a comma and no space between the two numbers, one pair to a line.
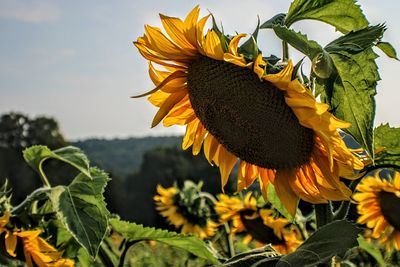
[249,117]
[390,208]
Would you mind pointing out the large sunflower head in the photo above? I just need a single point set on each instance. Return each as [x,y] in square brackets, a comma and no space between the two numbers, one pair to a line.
[270,123]
[261,224]
[379,205]
[186,209]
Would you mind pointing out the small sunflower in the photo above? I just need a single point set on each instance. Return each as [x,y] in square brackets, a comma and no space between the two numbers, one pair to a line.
[269,122]
[379,206]
[189,213]
[260,223]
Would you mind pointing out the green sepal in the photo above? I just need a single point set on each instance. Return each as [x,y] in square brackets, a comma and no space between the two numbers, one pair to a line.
[275,20]
[250,48]
[222,37]
[190,243]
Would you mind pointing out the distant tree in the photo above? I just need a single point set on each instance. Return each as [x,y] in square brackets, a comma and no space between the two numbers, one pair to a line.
[18,131]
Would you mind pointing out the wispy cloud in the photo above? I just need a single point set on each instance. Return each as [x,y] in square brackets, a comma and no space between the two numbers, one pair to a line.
[29,11]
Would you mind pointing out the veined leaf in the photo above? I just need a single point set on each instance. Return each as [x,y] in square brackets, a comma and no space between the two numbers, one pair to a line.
[389,138]
[136,232]
[330,240]
[354,88]
[82,210]
[388,49]
[299,41]
[248,258]
[357,41]
[344,15]
[276,202]
[36,155]
[372,250]
[275,20]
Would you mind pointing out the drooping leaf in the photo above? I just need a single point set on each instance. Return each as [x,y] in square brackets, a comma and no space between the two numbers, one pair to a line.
[82,210]
[389,138]
[357,41]
[344,15]
[248,258]
[372,250]
[299,41]
[330,240]
[275,20]
[276,202]
[352,97]
[36,155]
[388,49]
[136,232]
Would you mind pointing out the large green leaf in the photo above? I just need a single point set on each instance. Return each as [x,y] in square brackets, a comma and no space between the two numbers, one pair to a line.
[298,40]
[344,15]
[352,98]
[275,20]
[135,232]
[36,155]
[389,138]
[82,210]
[357,41]
[330,240]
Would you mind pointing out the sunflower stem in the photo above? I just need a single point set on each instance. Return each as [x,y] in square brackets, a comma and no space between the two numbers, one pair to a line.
[126,248]
[323,214]
[229,240]
[342,211]
[285,50]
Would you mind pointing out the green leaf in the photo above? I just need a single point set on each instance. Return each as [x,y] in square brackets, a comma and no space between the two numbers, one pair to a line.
[344,15]
[357,41]
[276,202]
[389,138]
[135,232]
[372,250]
[248,258]
[299,41]
[352,97]
[82,210]
[36,155]
[330,240]
[388,49]
[275,20]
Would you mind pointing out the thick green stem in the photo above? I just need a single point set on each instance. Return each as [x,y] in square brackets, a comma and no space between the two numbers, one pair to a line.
[229,240]
[126,248]
[43,176]
[323,214]
[285,50]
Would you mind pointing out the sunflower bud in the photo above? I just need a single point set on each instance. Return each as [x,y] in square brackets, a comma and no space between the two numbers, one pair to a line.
[322,65]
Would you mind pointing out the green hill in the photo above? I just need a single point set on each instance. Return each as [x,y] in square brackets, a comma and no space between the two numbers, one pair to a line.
[123,156]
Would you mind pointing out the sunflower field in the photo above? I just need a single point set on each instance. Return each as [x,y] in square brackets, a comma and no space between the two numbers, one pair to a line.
[315,184]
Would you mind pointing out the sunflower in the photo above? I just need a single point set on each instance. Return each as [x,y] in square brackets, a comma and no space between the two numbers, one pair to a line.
[191,217]
[261,224]
[269,122]
[379,205]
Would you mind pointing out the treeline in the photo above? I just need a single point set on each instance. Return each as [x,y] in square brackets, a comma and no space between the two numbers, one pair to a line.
[136,165]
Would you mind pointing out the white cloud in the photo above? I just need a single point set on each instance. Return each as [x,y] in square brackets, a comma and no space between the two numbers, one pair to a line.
[29,11]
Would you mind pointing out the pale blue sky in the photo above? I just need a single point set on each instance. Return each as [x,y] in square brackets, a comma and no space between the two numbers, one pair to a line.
[74,60]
